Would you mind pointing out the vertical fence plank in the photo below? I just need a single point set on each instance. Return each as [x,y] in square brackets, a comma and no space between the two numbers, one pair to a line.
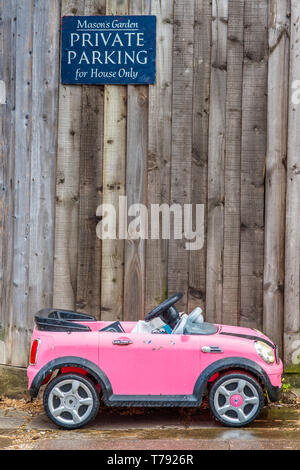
[114,156]
[252,164]
[216,153]
[292,244]
[159,151]
[275,183]
[17,310]
[113,187]
[88,297]
[232,218]
[201,95]
[136,168]
[67,185]
[7,160]
[182,103]
[43,154]
[134,275]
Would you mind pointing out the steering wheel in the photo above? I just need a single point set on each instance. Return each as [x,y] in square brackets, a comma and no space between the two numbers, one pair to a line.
[165,310]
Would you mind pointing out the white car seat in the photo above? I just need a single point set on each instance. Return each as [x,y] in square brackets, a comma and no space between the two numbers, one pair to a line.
[147,326]
[195,316]
[178,330]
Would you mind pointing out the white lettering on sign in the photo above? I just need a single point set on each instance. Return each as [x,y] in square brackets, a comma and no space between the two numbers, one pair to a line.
[106,57]
[132,39]
[115,24]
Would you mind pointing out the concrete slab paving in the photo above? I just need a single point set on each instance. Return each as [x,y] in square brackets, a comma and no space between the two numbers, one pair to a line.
[142,418]
[131,444]
[122,419]
[5,442]
[183,443]
[265,444]
[278,427]
[12,419]
[188,444]
[172,435]
[41,422]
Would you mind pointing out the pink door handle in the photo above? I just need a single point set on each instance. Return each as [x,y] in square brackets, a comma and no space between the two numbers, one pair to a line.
[122,341]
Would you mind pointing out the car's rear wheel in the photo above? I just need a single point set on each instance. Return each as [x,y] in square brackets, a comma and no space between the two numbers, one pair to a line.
[236,399]
[71,401]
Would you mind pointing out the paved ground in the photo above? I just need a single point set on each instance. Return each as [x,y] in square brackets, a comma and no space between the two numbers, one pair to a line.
[25,426]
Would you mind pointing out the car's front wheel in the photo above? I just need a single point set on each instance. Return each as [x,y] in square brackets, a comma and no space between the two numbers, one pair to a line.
[71,401]
[236,399]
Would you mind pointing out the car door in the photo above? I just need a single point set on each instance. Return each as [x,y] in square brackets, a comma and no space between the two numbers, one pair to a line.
[150,364]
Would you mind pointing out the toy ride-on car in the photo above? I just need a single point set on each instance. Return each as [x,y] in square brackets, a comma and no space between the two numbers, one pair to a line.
[169,359]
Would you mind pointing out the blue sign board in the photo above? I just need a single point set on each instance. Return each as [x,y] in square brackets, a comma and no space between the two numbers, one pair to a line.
[108,50]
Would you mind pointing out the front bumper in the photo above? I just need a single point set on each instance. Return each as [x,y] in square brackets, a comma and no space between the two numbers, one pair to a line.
[274,393]
[273,385]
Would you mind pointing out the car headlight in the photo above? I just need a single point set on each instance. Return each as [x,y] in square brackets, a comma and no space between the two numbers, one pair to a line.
[257,331]
[265,352]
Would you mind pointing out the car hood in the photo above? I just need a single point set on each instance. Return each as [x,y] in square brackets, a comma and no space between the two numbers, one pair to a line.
[241,332]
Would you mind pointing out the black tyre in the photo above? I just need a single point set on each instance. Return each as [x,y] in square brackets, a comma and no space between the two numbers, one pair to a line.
[236,399]
[71,401]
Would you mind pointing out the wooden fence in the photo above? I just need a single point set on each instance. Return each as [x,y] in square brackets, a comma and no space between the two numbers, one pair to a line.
[218,128]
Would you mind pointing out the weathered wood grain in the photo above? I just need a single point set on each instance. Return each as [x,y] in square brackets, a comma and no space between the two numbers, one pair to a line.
[67,185]
[159,151]
[114,156]
[292,243]
[88,295]
[232,174]
[7,153]
[254,122]
[23,113]
[136,183]
[216,154]
[113,186]
[43,154]
[201,97]
[134,274]
[182,98]
[275,183]
[17,309]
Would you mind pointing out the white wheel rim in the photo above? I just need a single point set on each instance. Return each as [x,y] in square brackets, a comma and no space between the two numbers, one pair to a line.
[70,402]
[236,401]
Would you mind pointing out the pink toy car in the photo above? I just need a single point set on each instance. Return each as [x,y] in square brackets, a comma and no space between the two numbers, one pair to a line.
[170,359]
